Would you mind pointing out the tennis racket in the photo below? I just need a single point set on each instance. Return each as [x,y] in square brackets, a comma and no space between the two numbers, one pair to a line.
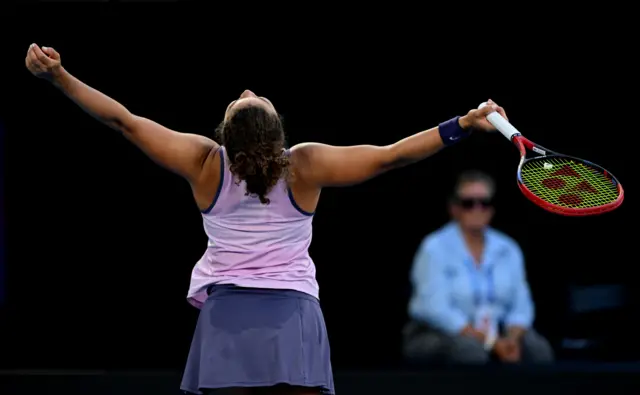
[559,183]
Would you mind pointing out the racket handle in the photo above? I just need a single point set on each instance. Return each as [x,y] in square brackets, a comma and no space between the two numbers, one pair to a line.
[498,122]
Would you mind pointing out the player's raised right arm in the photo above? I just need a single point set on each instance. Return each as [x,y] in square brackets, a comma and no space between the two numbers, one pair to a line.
[323,165]
[181,153]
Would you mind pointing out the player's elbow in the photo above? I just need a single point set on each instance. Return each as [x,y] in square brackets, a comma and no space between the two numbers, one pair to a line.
[376,160]
[127,123]
[392,158]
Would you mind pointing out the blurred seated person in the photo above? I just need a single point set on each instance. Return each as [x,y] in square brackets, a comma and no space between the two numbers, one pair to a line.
[471,301]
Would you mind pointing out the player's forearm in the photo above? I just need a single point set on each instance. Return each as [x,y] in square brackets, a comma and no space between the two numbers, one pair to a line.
[94,102]
[415,148]
[424,144]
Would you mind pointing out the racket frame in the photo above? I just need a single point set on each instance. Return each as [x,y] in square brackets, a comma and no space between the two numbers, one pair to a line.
[525,145]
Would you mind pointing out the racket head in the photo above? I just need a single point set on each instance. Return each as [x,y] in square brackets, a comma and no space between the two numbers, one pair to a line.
[566,185]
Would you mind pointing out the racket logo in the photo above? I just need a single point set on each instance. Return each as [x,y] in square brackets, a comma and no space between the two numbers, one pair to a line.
[568,186]
[570,183]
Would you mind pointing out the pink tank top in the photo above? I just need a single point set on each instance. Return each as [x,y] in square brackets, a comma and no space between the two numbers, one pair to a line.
[253,244]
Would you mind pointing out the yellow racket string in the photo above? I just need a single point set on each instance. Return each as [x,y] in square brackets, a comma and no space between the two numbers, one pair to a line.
[568,183]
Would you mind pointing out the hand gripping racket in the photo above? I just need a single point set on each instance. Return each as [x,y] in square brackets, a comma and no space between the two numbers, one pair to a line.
[559,183]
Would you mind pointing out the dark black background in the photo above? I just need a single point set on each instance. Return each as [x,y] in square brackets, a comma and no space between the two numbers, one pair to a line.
[101,241]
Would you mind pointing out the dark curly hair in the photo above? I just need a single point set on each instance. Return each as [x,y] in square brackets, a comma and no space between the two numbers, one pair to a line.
[255,142]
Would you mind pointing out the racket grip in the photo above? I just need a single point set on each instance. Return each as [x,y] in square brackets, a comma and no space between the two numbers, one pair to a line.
[501,124]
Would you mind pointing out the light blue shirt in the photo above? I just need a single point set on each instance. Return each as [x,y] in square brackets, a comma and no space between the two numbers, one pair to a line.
[448,286]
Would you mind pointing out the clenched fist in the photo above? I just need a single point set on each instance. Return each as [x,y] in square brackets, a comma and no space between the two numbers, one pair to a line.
[43,63]
[477,119]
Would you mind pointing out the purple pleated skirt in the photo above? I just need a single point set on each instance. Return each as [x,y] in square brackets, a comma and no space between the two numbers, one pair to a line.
[254,337]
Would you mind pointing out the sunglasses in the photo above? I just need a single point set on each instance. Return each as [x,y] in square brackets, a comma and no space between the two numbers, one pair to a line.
[469,203]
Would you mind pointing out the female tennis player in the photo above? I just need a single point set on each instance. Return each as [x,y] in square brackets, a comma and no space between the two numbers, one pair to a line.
[260,328]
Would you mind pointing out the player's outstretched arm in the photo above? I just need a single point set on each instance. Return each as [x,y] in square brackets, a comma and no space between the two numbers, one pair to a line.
[325,165]
[181,153]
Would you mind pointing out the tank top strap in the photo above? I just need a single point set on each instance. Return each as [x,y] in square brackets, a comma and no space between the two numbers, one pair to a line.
[225,176]
[224,159]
